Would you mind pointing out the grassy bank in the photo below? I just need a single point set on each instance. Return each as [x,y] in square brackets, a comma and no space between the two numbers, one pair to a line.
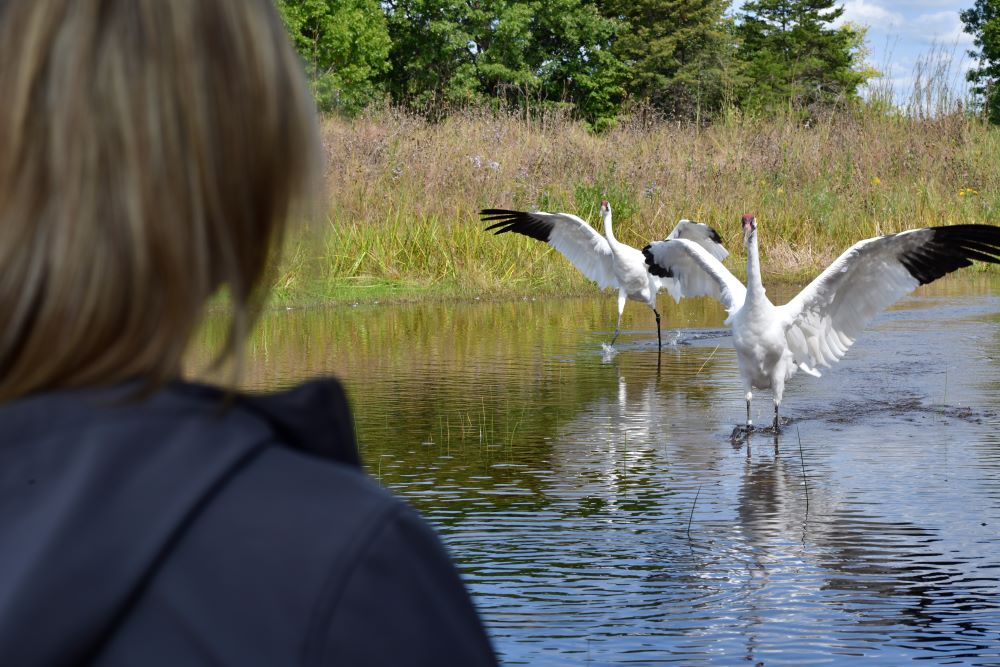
[404,194]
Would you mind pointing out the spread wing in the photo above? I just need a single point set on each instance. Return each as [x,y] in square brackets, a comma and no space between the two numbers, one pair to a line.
[580,243]
[701,234]
[825,318]
[694,272]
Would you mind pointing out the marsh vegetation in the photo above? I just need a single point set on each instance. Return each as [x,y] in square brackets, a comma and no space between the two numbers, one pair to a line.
[404,192]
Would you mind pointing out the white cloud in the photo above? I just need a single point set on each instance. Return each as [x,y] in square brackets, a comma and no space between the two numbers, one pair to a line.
[942,27]
[928,4]
[869,13]
[904,33]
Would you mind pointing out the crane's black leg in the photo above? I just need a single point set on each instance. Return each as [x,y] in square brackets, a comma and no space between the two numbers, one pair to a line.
[659,339]
[621,307]
[776,421]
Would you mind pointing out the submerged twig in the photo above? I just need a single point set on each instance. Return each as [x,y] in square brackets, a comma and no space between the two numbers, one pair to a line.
[691,516]
[707,360]
[802,459]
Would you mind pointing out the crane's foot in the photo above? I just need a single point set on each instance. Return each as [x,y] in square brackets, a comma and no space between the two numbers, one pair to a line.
[742,432]
[775,427]
[613,339]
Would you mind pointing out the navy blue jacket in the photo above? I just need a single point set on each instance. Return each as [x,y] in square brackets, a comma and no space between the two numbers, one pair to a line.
[179,530]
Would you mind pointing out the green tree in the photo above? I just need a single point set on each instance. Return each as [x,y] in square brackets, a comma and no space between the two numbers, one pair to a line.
[548,51]
[794,55]
[345,46]
[429,59]
[679,54]
[983,23]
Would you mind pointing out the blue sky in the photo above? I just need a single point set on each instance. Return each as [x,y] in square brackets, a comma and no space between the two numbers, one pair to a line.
[900,32]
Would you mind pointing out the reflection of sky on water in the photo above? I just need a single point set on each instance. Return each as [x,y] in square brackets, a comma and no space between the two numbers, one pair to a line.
[767,572]
[601,514]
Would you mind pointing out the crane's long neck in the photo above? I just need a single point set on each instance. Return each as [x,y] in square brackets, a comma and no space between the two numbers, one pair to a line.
[755,288]
[608,231]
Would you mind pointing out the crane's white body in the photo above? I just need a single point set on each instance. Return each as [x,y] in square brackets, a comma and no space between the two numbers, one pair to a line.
[820,324]
[635,282]
[604,259]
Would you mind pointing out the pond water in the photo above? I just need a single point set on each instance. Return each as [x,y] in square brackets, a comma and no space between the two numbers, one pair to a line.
[601,514]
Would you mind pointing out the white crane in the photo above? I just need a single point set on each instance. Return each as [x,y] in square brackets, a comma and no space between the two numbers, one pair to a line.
[818,326]
[603,259]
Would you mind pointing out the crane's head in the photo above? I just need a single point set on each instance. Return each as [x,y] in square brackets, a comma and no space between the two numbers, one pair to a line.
[749,227]
[605,207]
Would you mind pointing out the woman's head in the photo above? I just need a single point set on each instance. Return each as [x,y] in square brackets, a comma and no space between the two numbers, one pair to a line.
[150,152]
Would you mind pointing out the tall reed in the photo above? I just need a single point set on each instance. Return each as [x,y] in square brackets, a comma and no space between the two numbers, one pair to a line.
[404,192]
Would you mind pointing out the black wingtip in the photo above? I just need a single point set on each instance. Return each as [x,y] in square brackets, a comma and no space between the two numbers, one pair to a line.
[655,268]
[520,222]
[951,248]
[490,214]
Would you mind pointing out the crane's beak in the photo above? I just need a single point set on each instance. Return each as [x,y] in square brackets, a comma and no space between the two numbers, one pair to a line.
[749,227]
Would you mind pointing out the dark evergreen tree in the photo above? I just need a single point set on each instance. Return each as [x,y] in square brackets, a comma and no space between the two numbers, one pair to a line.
[983,23]
[794,55]
[678,54]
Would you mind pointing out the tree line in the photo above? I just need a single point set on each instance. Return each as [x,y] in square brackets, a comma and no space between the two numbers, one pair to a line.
[687,59]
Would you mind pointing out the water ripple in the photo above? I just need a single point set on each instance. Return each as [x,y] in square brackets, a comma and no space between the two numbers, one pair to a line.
[601,515]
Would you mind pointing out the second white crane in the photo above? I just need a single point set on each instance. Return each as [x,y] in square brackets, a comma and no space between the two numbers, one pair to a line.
[818,326]
[604,259]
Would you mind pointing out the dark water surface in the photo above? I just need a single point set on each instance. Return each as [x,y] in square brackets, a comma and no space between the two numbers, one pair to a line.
[601,514]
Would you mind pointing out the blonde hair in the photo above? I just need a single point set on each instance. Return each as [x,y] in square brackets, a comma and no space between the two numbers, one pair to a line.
[150,153]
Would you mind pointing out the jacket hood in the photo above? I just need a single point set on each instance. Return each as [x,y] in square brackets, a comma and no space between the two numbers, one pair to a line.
[95,487]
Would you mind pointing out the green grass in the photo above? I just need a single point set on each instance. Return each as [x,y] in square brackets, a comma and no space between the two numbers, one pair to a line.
[404,194]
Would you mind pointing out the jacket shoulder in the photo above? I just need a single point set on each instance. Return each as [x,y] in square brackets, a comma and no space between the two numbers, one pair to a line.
[297,560]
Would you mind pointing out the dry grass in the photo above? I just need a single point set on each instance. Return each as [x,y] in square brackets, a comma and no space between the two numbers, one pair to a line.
[405,193]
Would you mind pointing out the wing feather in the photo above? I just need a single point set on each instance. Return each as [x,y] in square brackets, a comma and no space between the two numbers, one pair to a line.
[693,271]
[580,243]
[825,318]
[701,234]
